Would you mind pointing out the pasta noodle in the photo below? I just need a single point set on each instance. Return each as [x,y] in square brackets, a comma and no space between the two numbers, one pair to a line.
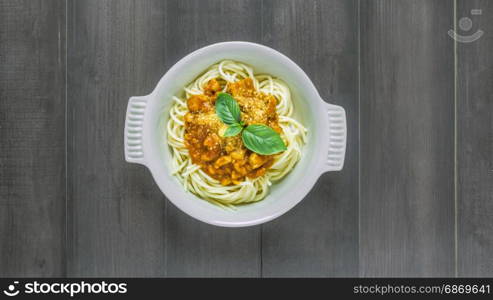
[198,182]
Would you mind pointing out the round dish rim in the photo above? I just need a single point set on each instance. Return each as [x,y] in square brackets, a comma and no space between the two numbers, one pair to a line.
[168,190]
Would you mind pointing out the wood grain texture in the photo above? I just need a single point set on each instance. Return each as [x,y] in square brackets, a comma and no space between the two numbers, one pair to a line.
[319,237]
[70,204]
[32,135]
[116,213]
[475,143]
[120,224]
[407,139]
[195,249]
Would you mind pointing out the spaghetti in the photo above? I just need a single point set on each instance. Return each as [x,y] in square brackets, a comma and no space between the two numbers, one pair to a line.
[198,180]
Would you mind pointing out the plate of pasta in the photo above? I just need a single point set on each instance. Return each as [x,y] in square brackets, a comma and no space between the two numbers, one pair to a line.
[235,134]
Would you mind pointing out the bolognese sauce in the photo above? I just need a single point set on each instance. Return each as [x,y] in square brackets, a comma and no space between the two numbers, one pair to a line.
[226,158]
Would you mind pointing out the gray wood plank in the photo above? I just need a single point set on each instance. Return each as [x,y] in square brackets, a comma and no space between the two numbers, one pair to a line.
[407,139]
[195,249]
[120,223]
[32,134]
[319,237]
[475,143]
[116,214]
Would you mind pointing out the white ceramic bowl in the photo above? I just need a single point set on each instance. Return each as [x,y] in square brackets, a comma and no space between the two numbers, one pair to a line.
[145,134]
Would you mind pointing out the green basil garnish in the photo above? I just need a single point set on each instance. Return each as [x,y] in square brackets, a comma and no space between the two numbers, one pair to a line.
[257,137]
[233,130]
[227,109]
[262,139]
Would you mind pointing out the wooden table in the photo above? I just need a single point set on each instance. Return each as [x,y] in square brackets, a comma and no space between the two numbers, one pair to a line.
[415,197]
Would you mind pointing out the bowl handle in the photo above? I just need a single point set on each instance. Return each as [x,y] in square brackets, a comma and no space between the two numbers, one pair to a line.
[134,129]
[337,133]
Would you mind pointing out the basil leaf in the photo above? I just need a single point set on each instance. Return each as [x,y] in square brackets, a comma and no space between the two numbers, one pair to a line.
[233,130]
[262,139]
[227,109]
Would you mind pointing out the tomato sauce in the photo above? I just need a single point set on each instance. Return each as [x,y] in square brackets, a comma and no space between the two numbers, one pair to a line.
[226,158]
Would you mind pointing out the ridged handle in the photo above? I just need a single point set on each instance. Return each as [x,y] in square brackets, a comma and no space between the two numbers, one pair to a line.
[134,130]
[337,129]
